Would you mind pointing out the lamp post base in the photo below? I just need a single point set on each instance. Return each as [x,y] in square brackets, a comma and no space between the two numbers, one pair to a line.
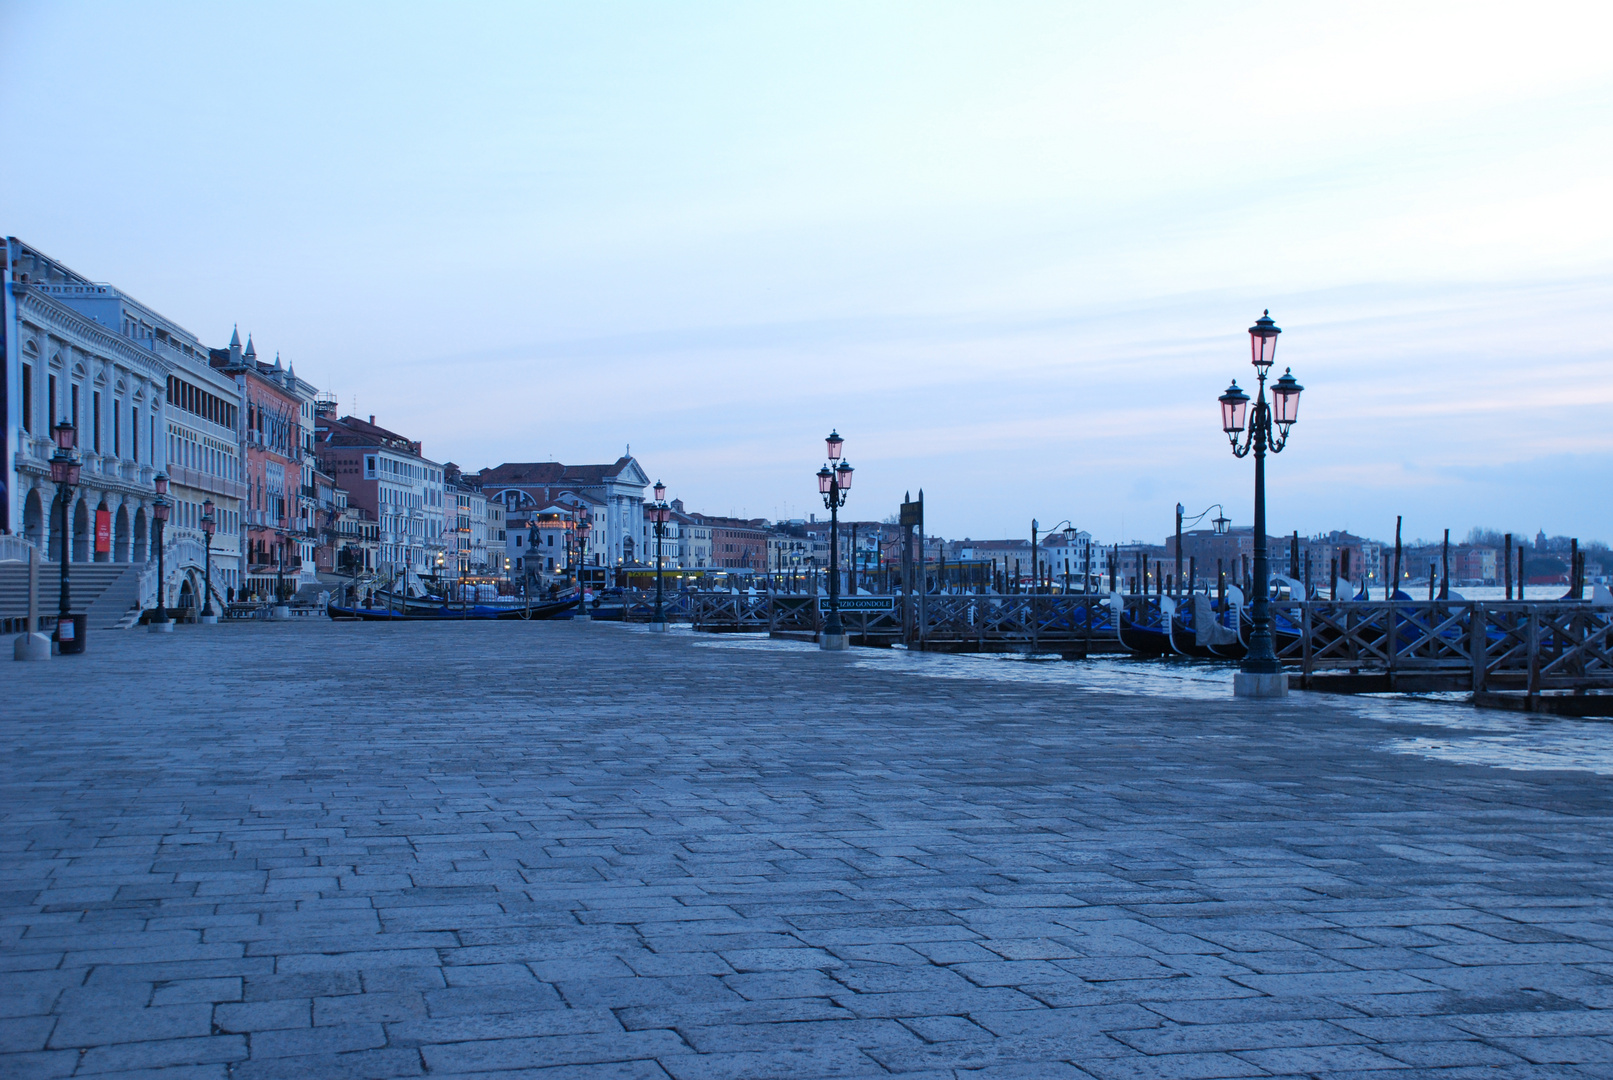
[1248,685]
[658,628]
[581,616]
[209,619]
[32,647]
[834,642]
[164,627]
[280,611]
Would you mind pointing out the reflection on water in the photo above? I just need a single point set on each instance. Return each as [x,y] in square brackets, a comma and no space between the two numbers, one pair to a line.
[1467,736]
[1554,745]
[1147,678]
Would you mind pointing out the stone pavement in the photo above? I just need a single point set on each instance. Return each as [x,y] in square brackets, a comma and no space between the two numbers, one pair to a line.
[552,850]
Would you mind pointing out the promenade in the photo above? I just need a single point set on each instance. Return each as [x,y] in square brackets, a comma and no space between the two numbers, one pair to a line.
[560,850]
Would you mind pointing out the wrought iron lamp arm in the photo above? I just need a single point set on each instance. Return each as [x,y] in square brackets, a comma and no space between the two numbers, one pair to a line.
[1196,518]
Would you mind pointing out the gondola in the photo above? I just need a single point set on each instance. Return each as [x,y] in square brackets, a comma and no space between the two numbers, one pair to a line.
[418,611]
[1148,633]
[1199,631]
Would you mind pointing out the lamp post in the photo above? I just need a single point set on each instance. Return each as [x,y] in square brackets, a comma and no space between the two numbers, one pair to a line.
[160,507]
[833,483]
[660,513]
[64,471]
[1261,674]
[1221,523]
[583,527]
[208,615]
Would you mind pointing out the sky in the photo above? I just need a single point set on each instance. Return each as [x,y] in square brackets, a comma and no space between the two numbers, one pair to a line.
[1010,250]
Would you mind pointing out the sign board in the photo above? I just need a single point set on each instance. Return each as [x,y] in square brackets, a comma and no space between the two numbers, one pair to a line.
[912,514]
[103,531]
[860,603]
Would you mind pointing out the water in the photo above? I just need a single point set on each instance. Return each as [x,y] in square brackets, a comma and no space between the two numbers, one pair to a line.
[1461,734]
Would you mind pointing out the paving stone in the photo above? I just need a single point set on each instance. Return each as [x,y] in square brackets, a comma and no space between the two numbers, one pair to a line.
[753,860]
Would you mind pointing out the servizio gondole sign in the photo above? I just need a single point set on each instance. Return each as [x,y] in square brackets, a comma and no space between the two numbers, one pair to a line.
[860,603]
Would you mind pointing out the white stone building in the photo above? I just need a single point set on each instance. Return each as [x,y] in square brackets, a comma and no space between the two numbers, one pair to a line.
[83,351]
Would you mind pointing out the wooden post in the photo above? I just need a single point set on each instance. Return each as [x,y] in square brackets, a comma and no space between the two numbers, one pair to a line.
[1520,571]
[909,608]
[924,602]
[1396,587]
[1430,583]
[1445,567]
[1308,658]
[1192,575]
[1506,564]
[1477,644]
[1533,647]
[1573,569]
[1391,632]
[1293,556]
[1333,578]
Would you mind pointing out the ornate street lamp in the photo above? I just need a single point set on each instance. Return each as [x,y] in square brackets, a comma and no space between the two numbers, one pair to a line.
[64,472]
[159,510]
[660,513]
[208,615]
[1261,674]
[833,483]
[584,524]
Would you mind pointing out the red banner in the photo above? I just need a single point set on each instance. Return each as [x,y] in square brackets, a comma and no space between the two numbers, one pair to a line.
[103,531]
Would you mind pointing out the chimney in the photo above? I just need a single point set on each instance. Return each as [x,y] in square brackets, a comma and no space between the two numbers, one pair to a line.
[372,419]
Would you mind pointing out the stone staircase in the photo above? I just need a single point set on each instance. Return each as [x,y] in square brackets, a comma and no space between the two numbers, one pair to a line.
[105,592]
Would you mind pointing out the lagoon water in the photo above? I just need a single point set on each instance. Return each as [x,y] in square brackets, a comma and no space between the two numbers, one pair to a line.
[1458,732]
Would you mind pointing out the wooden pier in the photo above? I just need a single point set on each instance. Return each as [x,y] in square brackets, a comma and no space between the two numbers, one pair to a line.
[1507,654]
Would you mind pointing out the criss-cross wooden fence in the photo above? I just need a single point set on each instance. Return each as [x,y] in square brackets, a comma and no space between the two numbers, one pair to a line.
[1476,645]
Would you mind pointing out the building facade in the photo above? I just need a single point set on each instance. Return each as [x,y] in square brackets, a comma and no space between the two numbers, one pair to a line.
[615,491]
[82,351]
[270,418]
[387,475]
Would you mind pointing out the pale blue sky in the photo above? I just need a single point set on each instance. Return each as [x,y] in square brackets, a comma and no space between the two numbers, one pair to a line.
[1009,250]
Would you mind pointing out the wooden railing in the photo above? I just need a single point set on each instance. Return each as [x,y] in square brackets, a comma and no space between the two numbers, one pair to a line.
[1466,644]
[1473,645]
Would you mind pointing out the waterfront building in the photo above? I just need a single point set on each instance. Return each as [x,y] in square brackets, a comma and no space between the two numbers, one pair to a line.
[356,543]
[467,551]
[737,544]
[790,551]
[541,539]
[694,538]
[1007,557]
[671,538]
[86,352]
[1476,565]
[1069,560]
[615,492]
[387,475]
[497,557]
[269,422]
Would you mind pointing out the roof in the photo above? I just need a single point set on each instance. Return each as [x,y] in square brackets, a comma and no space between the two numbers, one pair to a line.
[351,431]
[553,472]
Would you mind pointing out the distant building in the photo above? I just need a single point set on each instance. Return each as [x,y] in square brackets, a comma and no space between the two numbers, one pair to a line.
[387,475]
[356,539]
[737,544]
[467,551]
[616,491]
